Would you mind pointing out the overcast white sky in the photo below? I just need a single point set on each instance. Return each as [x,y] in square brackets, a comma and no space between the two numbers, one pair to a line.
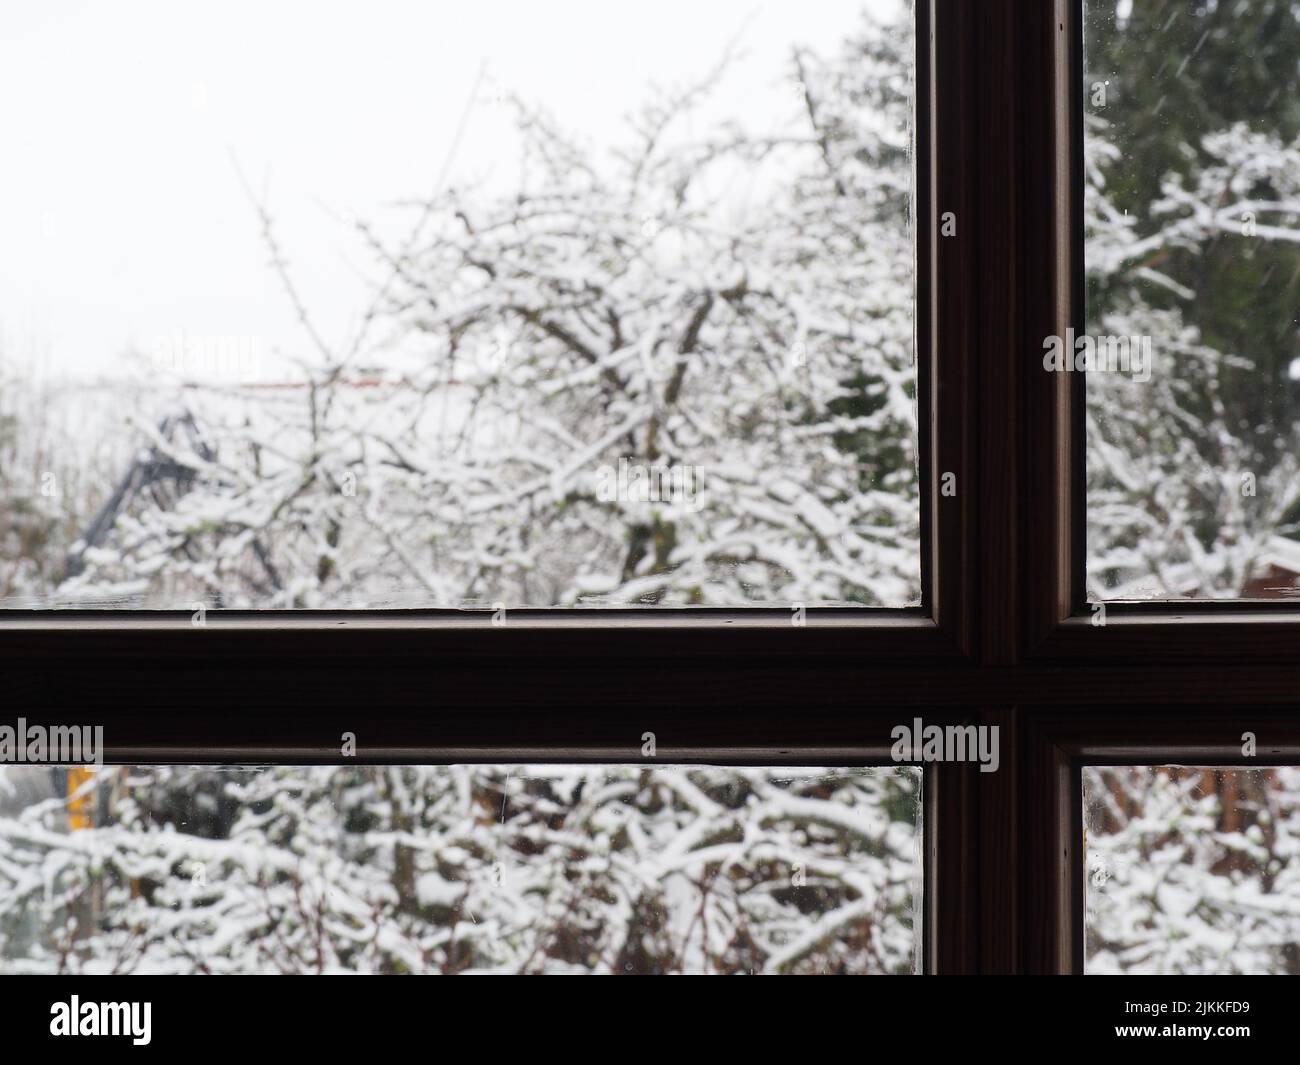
[121,215]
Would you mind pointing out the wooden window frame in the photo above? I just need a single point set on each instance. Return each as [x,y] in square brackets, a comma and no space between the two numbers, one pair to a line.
[1058,747]
[1002,637]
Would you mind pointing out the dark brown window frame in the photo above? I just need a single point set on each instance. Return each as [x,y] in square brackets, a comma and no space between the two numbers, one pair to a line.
[1058,746]
[1002,637]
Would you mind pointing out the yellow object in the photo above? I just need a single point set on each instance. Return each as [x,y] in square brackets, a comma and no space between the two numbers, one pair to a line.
[80,809]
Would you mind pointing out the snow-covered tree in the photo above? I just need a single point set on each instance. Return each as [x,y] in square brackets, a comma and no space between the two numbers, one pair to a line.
[1193,870]
[748,361]
[1187,492]
[468,868]
[55,456]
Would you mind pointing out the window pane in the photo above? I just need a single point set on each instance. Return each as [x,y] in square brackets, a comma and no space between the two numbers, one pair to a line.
[1192,870]
[563,304]
[450,869]
[1192,230]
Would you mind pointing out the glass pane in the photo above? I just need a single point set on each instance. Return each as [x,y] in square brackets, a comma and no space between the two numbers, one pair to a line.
[1192,870]
[1192,231]
[453,869]
[564,304]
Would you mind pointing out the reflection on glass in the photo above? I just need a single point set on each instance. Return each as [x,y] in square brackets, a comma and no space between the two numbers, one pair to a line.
[454,869]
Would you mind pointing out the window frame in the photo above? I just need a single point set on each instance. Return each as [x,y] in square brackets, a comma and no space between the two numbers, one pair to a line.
[1059,746]
[97,657]
[1061,618]
[1002,636]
